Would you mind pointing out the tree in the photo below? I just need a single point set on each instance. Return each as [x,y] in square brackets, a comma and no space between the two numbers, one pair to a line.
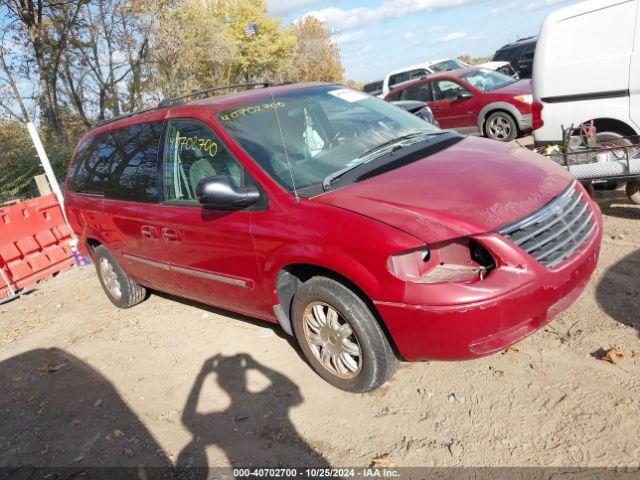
[107,55]
[316,57]
[191,50]
[45,26]
[200,44]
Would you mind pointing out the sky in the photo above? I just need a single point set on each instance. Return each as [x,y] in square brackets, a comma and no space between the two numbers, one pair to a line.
[378,36]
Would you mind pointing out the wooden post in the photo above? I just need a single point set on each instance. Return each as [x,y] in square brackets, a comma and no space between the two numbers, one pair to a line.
[43,185]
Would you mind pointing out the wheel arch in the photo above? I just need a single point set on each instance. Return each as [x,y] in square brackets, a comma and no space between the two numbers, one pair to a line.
[606,124]
[291,276]
[498,107]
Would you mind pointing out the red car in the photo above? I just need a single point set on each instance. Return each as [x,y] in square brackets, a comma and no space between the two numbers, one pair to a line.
[362,230]
[474,100]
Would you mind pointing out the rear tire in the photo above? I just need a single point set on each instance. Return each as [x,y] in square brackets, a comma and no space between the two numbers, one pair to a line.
[119,288]
[340,336]
[501,126]
[633,192]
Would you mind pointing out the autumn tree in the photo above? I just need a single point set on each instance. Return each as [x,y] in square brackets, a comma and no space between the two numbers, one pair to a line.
[316,57]
[200,44]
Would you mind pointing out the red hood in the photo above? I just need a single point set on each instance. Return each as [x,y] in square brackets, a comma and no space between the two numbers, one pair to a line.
[521,87]
[475,186]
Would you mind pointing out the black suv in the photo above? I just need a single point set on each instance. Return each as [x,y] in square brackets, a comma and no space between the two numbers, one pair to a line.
[519,54]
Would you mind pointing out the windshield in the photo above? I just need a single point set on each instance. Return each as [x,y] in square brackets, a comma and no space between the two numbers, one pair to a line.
[447,65]
[317,132]
[487,80]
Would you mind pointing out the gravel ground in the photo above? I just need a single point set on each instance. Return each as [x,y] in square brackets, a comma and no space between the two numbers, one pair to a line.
[172,382]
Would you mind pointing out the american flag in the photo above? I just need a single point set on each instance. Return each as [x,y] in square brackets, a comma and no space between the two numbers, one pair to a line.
[251,30]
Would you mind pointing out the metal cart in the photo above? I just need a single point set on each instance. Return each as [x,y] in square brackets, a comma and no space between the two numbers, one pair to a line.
[600,162]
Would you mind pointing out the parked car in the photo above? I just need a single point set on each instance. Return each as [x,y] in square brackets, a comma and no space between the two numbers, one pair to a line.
[519,54]
[420,70]
[373,88]
[419,109]
[473,100]
[501,67]
[362,230]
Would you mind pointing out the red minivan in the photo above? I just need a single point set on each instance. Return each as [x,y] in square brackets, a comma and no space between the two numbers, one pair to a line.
[365,232]
[474,100]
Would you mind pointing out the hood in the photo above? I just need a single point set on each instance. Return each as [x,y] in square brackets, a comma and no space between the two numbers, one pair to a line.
[521,87]
[475,186]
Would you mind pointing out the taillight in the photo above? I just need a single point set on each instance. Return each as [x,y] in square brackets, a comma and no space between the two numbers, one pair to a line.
[536,110]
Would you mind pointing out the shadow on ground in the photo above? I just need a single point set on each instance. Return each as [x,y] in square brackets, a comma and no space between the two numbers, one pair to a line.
[59,412]
[255,429]
[618,292]
[615,203]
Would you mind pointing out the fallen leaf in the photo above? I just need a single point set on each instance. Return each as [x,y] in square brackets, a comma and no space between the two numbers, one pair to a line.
[382,461]
[510,351]
[16,379]
[538,368]
[75,421]
[612,355]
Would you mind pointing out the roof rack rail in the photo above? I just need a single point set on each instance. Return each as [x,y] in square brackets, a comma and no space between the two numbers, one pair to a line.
[204,93]
[180,100]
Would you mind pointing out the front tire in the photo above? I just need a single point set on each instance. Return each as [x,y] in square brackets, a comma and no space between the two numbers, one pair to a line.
[340,336]
[120,289]
[501,126]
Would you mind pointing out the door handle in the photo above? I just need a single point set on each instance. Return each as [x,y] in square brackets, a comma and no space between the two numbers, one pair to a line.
[148,231]
[435,109]
[170,235]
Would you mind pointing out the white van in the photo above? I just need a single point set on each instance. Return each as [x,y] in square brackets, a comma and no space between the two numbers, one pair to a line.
[587,67]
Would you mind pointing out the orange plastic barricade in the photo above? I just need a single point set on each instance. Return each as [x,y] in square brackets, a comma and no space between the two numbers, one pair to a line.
[34,244]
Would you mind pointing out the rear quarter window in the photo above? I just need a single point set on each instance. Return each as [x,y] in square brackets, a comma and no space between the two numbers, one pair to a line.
[121,164]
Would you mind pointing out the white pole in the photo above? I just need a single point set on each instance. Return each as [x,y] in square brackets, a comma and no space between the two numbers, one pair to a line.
[53,181]
[48,170]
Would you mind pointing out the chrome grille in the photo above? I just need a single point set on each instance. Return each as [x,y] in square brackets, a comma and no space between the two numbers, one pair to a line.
[556,231]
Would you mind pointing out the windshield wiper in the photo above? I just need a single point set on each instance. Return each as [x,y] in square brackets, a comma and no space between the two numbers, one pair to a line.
[376,152]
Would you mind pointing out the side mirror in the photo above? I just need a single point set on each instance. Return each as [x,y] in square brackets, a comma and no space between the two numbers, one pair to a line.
[465,95]
[220,193]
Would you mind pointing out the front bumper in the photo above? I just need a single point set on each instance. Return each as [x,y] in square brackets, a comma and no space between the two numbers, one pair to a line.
[461,322]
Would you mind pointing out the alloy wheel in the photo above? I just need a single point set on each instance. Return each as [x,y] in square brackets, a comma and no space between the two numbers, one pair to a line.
[110,278]
[500,128]
[332,340]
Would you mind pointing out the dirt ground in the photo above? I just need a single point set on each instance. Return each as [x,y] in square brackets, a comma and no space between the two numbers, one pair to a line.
[171,382]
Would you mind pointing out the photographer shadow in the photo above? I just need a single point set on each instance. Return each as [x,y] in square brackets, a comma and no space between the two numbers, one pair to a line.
[254,430]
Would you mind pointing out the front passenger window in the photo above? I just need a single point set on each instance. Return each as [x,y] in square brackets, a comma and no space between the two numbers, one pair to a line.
[194,152]
[446,90]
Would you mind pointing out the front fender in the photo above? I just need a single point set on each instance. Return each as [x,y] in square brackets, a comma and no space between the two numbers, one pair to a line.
[334,260]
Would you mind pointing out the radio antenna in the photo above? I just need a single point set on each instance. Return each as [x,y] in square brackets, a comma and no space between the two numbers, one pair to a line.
[284,146]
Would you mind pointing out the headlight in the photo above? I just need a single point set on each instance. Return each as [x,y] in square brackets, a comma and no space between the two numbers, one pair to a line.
[459,261]
[524,99]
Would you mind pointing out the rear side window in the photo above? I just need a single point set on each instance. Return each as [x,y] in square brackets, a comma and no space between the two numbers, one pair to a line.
[406,76]
[133,169]
[121,164]
[90,173]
